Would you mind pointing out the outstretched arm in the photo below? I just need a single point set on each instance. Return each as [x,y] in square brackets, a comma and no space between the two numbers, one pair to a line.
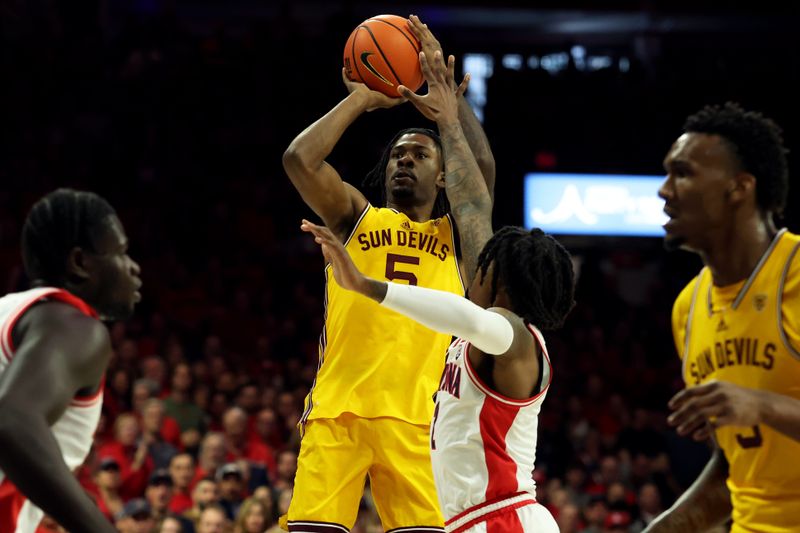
[469,199]
[491,332]
[471,126]
[320,185]
[707,503]
[60,352]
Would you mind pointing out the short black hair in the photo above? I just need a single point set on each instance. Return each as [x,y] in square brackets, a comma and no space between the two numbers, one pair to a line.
[376,178]
[536,271]
[57,223]
[757,143]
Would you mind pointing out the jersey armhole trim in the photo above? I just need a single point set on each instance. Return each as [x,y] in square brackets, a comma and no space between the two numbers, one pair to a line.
[489,392]
[795,352]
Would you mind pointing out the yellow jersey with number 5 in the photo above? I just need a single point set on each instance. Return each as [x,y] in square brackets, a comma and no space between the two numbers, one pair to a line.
[374,362]
[749,334]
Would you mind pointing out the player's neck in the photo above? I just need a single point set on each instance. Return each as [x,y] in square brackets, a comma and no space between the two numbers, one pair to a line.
[734,255]
[417,213]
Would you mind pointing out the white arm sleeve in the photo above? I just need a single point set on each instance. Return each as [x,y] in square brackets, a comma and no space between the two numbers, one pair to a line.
[446,312]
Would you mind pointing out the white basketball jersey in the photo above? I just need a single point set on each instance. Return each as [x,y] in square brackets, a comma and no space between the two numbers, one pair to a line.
[483,445]
[73,431]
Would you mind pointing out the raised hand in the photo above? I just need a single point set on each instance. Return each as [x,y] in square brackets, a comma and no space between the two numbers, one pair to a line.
[430,45]
[373,99]
[345,271]
[441,102]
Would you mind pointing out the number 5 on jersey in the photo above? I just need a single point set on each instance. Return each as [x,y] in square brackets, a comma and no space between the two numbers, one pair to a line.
[395,260]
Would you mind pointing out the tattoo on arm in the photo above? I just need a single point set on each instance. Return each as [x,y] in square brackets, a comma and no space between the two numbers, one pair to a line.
[469,199]
[478,143]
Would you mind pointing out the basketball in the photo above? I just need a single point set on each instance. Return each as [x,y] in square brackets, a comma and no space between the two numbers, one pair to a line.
[383,53]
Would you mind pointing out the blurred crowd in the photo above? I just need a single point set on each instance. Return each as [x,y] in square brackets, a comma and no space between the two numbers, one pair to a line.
[182,131]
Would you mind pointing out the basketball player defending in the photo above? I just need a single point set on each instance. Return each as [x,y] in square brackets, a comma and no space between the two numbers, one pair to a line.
[53,355]
[370,408]
[737,324]
[483,431]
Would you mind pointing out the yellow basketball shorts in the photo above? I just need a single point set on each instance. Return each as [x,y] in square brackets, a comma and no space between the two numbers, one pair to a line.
[337,454]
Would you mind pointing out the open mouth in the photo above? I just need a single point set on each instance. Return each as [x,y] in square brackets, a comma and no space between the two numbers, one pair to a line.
[403,175]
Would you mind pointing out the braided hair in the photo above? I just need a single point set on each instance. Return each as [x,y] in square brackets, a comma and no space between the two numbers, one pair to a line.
[375,180]
[57,223]
[536,271]
[756,143]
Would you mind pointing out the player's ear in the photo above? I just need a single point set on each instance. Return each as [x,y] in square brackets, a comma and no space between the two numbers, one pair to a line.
[743,186]
[440,180]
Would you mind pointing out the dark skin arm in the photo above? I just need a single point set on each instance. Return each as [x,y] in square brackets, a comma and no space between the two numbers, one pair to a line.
[706,504]
[470,202]
[699,409]
[60,352]
[471,126]
[337,203]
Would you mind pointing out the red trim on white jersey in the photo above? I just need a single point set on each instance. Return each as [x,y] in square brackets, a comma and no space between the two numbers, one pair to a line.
[481,513]
[486,389]
[11,502]
[53,294]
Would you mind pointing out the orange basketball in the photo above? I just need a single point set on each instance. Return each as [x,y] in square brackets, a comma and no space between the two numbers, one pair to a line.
[383,53]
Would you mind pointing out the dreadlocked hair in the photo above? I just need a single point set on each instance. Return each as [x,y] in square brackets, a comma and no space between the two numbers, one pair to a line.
[757,143]
[536,271]
[57,223]
[375,180]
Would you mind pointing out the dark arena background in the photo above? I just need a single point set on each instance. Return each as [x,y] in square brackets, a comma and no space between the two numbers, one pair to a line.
[178,112]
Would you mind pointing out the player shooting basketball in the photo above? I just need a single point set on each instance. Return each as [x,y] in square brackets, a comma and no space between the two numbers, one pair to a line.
[370,408]
[484,427]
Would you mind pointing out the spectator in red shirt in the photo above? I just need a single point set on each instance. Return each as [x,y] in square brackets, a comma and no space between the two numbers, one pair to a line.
[130,452]
[210,457]
[108,482]
[158,493]
[181,470]
[238,445]
[145,389]
[152,426]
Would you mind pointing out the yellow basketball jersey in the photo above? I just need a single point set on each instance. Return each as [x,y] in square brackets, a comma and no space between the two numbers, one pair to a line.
[374,362]
[749,334]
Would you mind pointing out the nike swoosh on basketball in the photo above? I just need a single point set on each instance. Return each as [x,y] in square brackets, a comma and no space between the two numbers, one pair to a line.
[366,63]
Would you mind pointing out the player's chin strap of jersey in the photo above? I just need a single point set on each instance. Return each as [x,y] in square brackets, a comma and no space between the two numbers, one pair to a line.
[449,313]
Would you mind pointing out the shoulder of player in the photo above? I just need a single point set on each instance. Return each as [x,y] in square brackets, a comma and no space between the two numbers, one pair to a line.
[73,329]
[523,345]
[346,225]
[684,299]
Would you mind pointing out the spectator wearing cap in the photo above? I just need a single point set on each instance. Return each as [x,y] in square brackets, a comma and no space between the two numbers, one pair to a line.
[230,479]
[159,492]
[135,517]
[108,481]
[617,521]
[239,445]
[181,469]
